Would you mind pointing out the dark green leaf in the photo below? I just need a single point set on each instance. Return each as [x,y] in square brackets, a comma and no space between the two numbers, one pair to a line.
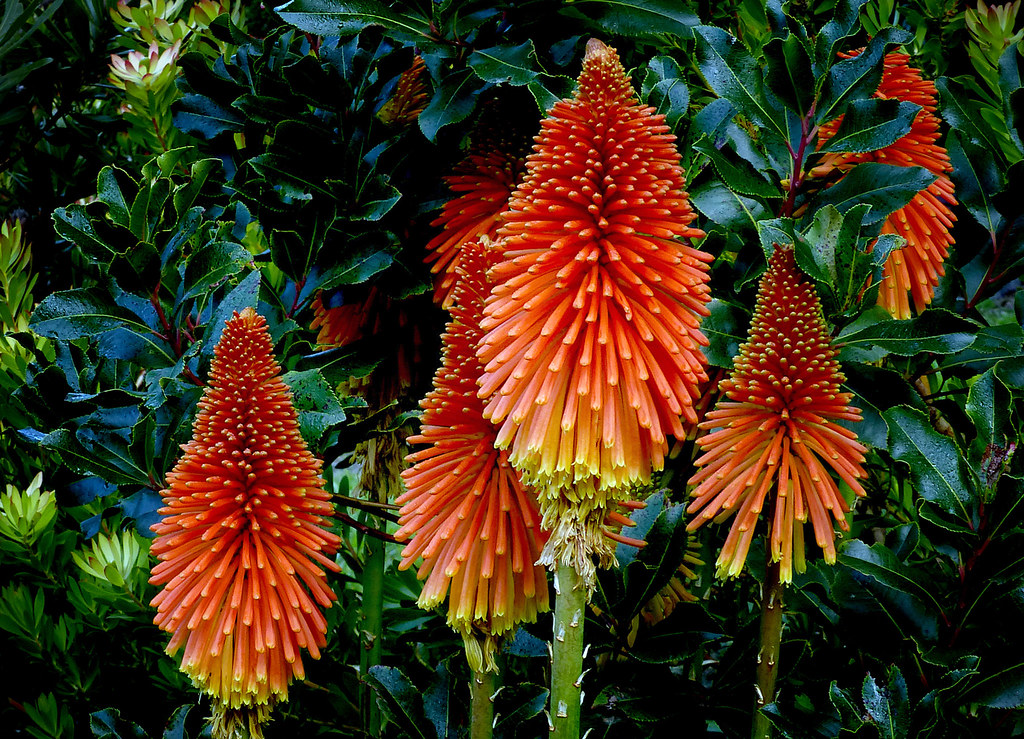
[206,118]
[399,699]
[869,125]
[640,17]
[885,187]
[72,223]
[735,75]
[176,723]
[515,65]
[736,172]
[318,406]
[849,714]
[347,17]
[977,180]
[518,703]
[789,74]
[665,89]
[936,331]
[73,314]
[108,191]
[452,102]
[213,263]
[726,329]
[1004,689]
[437,700]
[937,467]
[896,585]
[877,389]
[727,208]
[887,706]
[244,295]
[843,24]
[857,78]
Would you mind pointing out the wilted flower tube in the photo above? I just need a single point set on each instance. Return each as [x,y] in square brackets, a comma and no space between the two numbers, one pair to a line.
[243,542]
[774,435]
[592,350]
[473,522]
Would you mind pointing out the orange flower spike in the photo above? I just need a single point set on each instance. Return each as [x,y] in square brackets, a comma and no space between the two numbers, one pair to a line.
[409,98]
[243,542]
[775,430]
[592,350]
[925,222]
[483,182]
[471,519]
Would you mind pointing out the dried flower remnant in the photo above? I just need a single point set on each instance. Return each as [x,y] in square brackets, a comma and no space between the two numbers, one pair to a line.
[409,97]
[482,183]
[243,542]
[471,519]
[593,347]
[775,431]
[914,271]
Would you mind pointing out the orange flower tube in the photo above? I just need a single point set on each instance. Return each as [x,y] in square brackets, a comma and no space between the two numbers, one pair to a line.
[592,352]
[473,522]
[914,271]
[409,98]
[773,436]
[243,542]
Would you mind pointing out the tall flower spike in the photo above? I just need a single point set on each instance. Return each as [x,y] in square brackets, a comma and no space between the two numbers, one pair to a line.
[482,182]
[243,542]
[593,345]
[924,222]
[473,522]
[774,431]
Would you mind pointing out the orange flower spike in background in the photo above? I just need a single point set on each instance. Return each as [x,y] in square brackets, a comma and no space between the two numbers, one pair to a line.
[593,346]
[473,522]
[482,183]
[925,222]
[409,97]
[773,436]
[243,542]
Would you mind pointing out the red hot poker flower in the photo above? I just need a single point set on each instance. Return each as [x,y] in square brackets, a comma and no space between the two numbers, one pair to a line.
[483,182]
[593,345]
[915,270]
[473,522]
[775,430]
[243,542]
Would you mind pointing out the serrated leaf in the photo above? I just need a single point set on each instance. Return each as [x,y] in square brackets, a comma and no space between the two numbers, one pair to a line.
[638,18]
[515,65]
[73,224]
[937,467]
[399,699]
[936,331]
[518,703]
[885,187]
[665,89]
[453,101]
[727,208]
[244,295]
[736,172]
[735,75]
[857,78]
[977,179]
[108,191]
[347,17]
[726,329]
[316,402]
[869,125]
[887,705]
[211,264]
[843,24]
[73,314]
[789,74]
[1004,689]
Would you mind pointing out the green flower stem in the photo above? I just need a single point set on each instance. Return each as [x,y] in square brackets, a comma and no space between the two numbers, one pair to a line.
[567,656]
[768,656]
[481,692]
[372,628]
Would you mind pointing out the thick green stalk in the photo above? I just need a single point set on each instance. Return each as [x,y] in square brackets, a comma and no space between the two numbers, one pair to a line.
[481,692]
[371,628]
[768,656]
[567,656]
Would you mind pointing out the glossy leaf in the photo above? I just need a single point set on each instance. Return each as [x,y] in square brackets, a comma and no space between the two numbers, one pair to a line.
[885,187]
[869,125]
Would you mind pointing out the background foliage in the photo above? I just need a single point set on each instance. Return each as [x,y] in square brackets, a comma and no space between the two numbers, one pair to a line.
[238,160]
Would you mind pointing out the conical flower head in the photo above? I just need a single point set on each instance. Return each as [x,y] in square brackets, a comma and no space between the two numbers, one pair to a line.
[482,183]
[243,542]
[914,271]
[473,522]
[773,436]
[593,347]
